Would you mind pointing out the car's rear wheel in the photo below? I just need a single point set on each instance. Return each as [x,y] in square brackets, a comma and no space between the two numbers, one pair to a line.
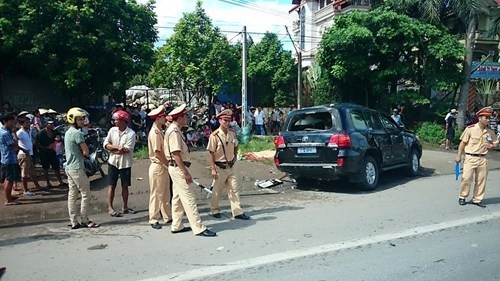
[414,165]
[369,174]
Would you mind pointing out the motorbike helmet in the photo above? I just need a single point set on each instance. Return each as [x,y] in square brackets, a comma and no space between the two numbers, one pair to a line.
[121,115]
[75,112]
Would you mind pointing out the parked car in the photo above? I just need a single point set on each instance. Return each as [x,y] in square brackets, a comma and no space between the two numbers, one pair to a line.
[344,140]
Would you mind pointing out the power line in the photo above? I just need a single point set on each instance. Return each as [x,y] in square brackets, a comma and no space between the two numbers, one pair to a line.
[256,8]
[249,32]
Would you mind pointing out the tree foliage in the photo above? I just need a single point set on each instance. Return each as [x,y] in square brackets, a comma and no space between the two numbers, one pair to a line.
[365,56]
[272,71]
[461,17]
[87,48]
[197,58]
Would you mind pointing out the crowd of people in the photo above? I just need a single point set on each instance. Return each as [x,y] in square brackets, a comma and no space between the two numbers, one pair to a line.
[29,137]
[168,152]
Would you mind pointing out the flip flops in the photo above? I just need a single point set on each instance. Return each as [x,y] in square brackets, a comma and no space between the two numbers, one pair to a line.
[12,203]
[129,211]
[89,224]
[115,214]
[29,193]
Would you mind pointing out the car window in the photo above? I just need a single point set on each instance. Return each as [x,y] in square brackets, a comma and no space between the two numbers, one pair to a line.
[388,123]
[358,120]
[373,119]
[312,121]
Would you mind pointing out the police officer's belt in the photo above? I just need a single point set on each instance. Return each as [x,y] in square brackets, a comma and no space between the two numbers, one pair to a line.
[172,163]
[477,155]
[223,165]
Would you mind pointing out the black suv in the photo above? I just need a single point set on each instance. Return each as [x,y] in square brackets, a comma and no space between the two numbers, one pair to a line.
[344,140]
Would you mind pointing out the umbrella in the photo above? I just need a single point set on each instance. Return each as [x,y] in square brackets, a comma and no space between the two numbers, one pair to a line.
[457,170]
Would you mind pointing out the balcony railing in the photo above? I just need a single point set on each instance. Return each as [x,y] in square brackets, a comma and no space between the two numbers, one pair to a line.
[342,6]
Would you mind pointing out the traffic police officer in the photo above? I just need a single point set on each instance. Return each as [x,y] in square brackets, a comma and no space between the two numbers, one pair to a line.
[159,179]
[183,199]
[223,148]
[476,140]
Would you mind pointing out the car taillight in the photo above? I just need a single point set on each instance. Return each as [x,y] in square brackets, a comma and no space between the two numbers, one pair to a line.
[279,142]
[340,161]
[340,141]
[276,162]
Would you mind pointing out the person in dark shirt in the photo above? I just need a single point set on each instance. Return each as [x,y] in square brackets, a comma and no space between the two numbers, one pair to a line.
[48,157]
[149,121]
[450,129]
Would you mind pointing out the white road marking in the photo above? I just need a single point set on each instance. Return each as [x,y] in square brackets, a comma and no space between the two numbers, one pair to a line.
[288,255]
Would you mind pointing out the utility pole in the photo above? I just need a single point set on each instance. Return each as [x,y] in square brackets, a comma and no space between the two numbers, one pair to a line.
[244,80]
[299,69]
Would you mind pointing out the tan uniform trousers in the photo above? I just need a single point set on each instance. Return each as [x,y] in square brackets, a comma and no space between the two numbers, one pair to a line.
[78,182]
[183,200]
[159,194]
[474,165]
[226,179]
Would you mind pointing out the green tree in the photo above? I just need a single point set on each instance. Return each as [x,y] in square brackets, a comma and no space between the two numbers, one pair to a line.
[87,48]
[365,56]
[461,17]
[272,72]
[197,58]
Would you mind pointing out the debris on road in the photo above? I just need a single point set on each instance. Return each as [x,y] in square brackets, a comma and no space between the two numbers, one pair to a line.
[98,247]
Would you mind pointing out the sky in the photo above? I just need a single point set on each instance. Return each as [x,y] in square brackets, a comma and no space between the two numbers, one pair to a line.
[259,16]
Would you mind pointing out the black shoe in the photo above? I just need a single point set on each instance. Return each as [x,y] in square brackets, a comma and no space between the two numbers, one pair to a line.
[185,229]
[156,225]
[479,204]
[207,233]
[242,217]
[169,221]
[217,216]
[461,201]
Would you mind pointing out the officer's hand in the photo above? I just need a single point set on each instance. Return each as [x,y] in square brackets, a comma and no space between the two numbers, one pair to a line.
[458,159]
[214,174]
[189,178]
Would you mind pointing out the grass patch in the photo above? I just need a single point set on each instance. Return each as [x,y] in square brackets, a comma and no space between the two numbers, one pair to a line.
[141,152]
[257,144]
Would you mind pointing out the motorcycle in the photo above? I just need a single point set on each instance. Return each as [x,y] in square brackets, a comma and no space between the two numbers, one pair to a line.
[92,166]
[95,140]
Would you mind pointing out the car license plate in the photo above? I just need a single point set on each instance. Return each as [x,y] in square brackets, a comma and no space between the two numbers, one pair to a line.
[304,150]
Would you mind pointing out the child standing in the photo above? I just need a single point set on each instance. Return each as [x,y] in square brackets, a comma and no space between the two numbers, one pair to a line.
[59,148]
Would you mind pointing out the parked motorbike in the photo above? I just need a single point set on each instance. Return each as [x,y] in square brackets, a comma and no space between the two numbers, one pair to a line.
[92,166]
[95,140]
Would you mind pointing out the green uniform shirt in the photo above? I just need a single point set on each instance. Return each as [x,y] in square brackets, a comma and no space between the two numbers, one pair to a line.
[74,157]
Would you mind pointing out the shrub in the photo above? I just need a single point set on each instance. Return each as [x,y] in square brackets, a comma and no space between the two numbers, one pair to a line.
[434,133]
[257,144]
[141,152]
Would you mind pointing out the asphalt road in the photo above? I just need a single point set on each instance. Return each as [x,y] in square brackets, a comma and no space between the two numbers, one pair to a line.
[407,230]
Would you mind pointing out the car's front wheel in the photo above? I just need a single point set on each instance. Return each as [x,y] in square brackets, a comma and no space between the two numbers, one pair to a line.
[369,174]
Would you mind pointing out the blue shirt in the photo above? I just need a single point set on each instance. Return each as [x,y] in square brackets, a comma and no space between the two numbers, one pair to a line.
[9,156]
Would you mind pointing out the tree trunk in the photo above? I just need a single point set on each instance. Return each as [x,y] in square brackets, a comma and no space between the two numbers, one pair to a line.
[466,73]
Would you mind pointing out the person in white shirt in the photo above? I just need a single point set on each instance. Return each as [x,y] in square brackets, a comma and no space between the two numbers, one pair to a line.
[25,154]
[192,138]
[276,121]
[259,121]
[120,141]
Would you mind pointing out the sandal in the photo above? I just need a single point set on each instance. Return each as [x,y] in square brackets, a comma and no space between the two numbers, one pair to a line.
[76,226]
[129,211]
[12,203]
[115,214]
[89,224]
